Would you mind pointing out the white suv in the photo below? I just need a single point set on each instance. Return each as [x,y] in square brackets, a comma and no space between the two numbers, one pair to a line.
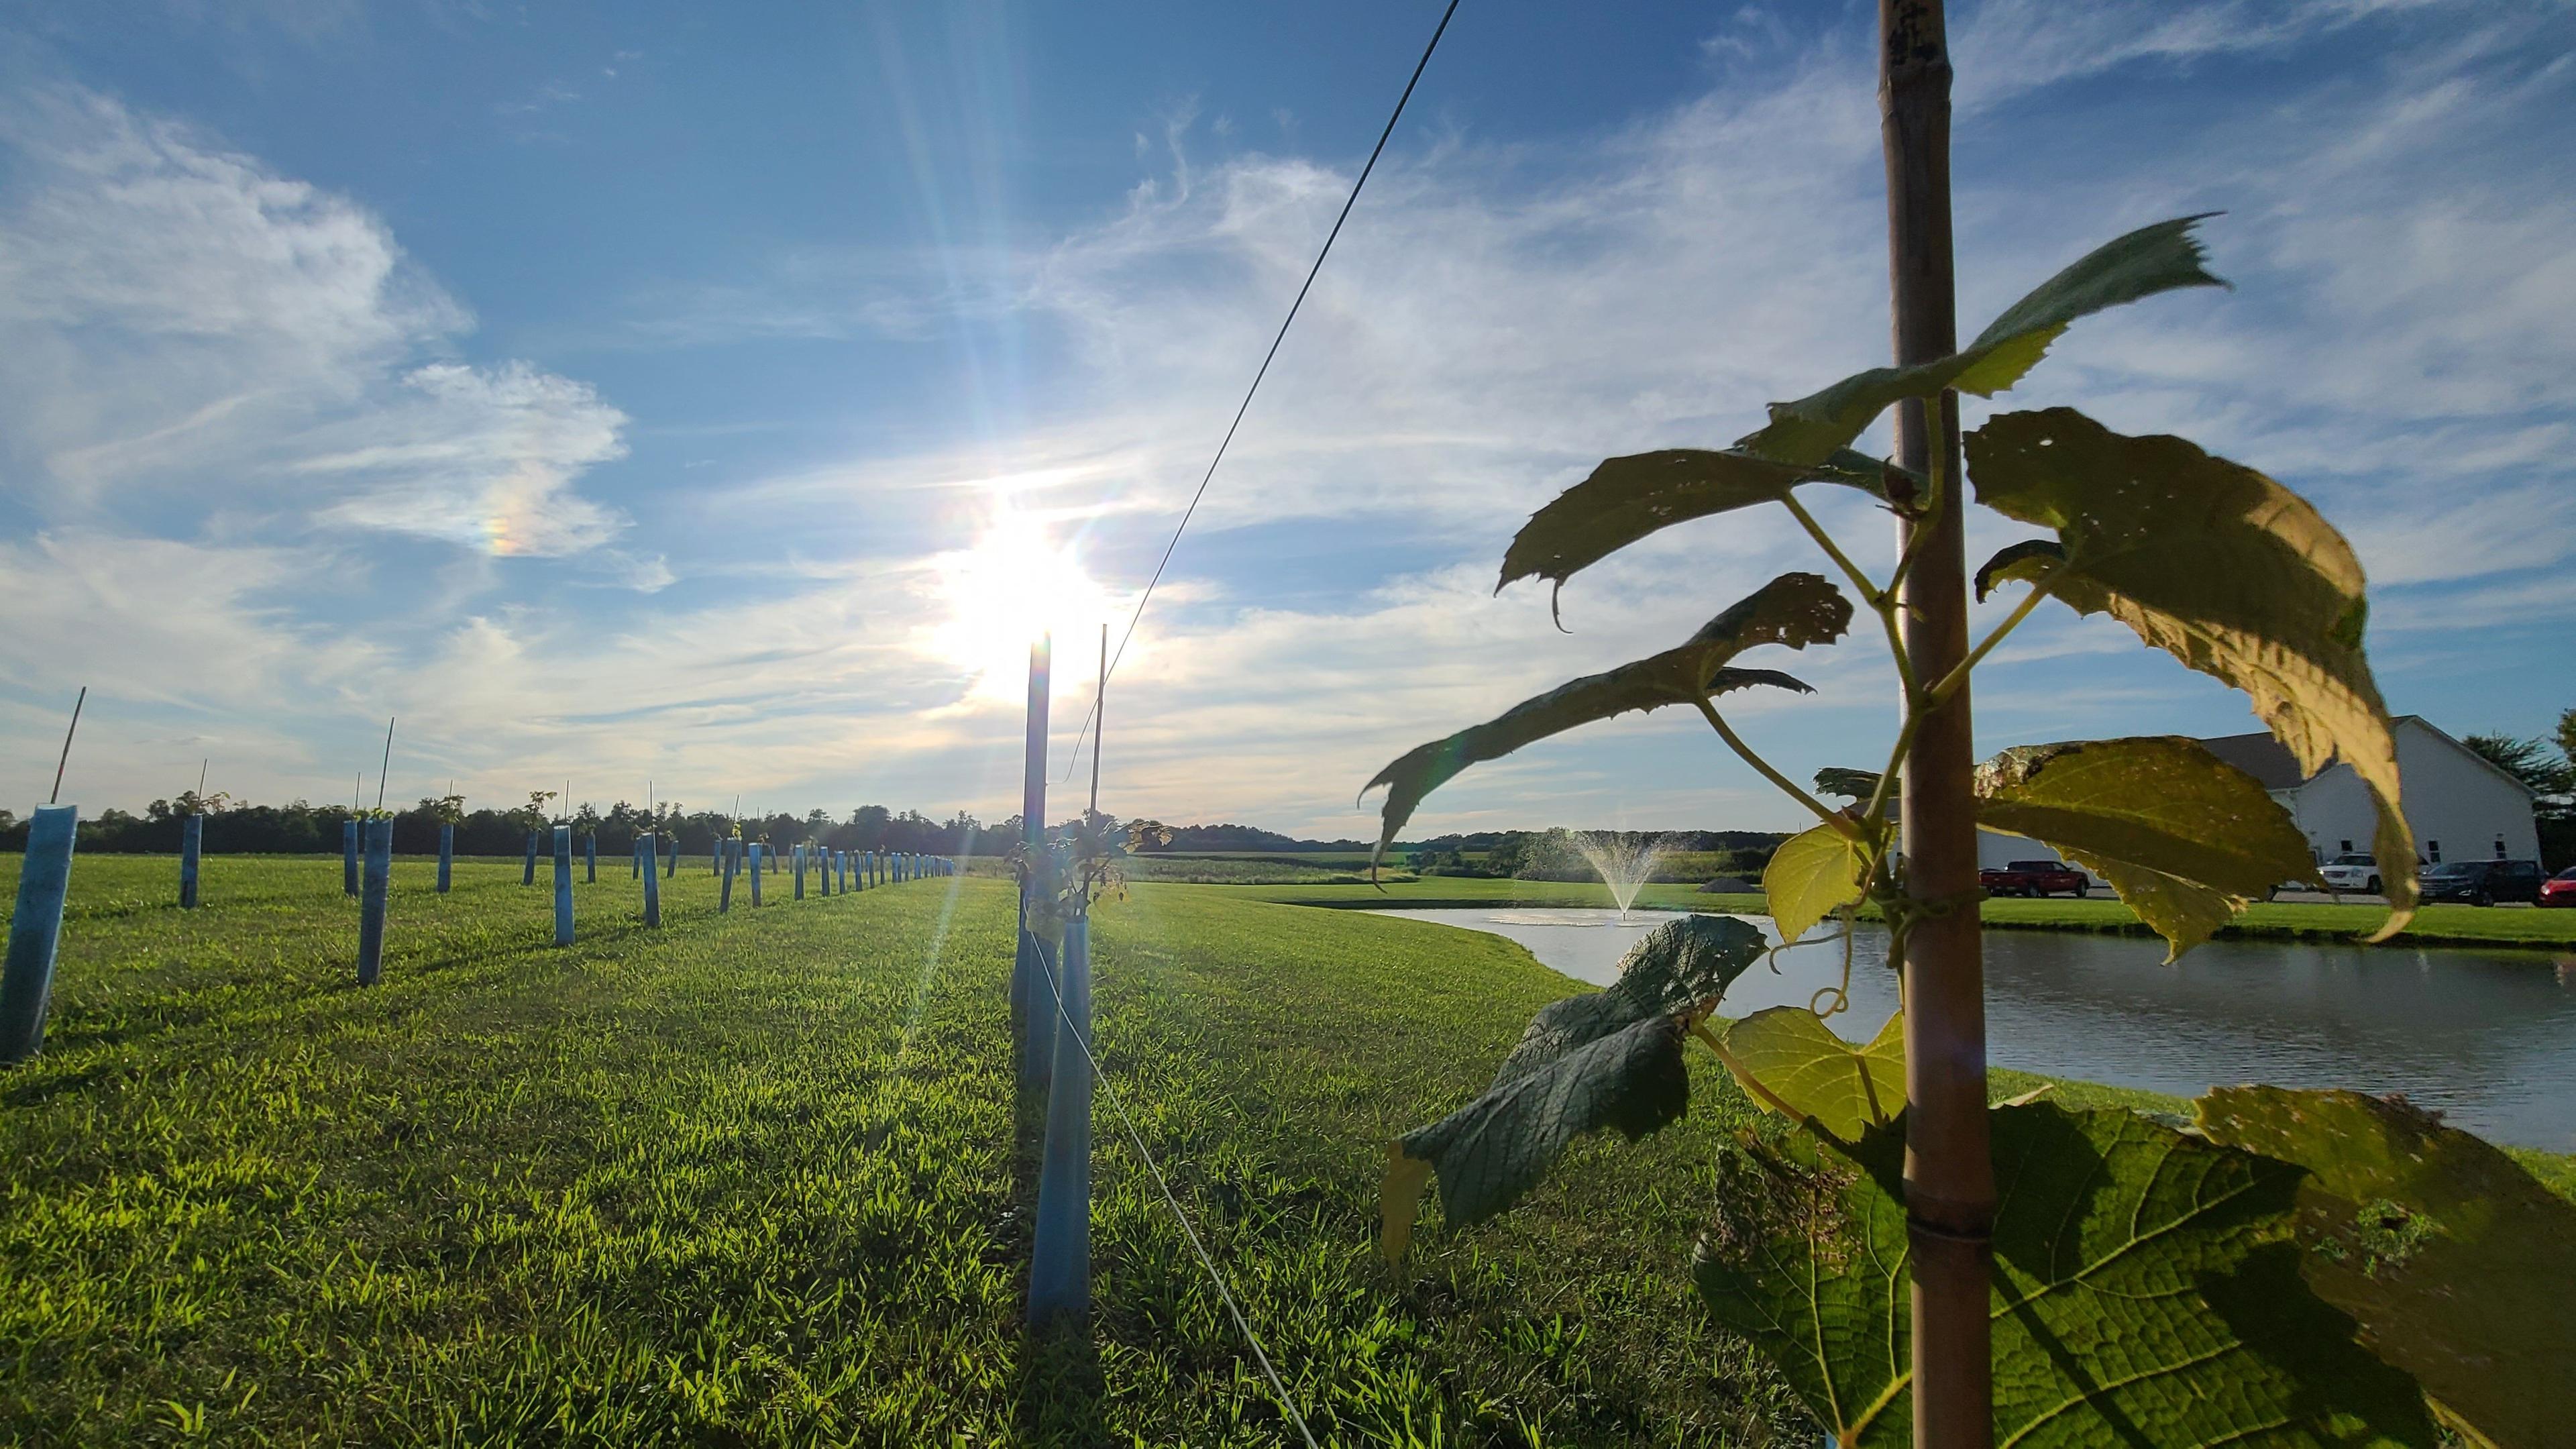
[2352,872]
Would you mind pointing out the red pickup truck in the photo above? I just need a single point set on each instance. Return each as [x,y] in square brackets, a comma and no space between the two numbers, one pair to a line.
[2035,878]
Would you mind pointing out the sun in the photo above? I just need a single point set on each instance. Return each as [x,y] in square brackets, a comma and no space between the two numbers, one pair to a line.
[1013,585]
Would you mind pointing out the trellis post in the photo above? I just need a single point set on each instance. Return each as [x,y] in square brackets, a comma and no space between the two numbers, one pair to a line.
[1060,1254]
[35,930]
[1028,998]
[192,840]
[563,885]
[371,908]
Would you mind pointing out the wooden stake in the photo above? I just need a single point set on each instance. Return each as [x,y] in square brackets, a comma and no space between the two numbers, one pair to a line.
[388,762]
[1949,1169]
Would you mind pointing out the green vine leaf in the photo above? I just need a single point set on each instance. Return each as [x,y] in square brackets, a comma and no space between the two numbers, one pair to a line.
[1787,1055]
[1675,974]
[1812,875]
[1794,609]
[1628,498]
[2183,836]
[2456,1263]
[1681,967]
[2219,566]
[2028,561]
[2146,1292]
[2152,259]
[1489,1152]
[1807,1259]
[1847,782]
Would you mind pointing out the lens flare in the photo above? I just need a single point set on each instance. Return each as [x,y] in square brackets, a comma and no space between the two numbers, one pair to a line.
[1013,585]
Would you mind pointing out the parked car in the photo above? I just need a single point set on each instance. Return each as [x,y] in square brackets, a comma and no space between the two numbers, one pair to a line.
[2352,872]
[2483,882]
[2559,889]
[2035,878]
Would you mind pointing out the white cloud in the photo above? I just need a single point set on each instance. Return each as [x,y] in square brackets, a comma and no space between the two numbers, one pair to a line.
[480,457]
[1494,321]
[180,324]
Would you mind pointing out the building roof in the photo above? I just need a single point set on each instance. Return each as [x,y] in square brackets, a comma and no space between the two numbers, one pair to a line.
[2275,768]
[2261,756]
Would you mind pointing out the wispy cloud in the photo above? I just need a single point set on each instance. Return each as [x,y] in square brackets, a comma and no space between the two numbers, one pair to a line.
[179,321]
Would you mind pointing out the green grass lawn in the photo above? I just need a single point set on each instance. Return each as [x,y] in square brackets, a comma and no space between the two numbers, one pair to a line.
[2459,925]
[749,1180]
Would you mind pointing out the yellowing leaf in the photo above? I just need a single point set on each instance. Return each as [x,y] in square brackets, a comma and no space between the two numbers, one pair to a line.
[1810,876]
[2460,1268]
[1399,1201]
[2184,837]
[2228,571]
[1797,1059]
[2149,260]
[1794,609]
[2184,913]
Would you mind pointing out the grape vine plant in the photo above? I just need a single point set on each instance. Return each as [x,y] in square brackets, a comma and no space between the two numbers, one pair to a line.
[2282,1267]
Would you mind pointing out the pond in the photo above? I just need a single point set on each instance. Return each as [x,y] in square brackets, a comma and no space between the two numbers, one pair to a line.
[2486,1037]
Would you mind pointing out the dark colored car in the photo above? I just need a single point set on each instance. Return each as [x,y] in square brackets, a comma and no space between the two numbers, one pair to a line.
[2035,878]
[2483,882]
[2560,889]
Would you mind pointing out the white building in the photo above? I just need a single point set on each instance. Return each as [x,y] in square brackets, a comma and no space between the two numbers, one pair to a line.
[2461,806]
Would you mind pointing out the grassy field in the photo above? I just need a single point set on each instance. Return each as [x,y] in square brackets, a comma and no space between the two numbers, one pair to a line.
[1249,870]
[2434,925]
[748,1181]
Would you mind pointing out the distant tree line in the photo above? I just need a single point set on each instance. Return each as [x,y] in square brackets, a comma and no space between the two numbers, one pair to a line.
[1192,839]
[2548,767]
[303,828]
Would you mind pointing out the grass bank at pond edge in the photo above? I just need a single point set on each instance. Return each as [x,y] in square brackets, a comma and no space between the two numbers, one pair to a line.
[747,1180]
[2434,925]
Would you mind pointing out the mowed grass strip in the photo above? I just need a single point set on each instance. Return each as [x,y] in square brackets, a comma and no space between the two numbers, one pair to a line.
[749,1180]
[2553,930]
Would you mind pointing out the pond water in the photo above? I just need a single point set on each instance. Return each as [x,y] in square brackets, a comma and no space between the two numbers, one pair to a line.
[2486,1037]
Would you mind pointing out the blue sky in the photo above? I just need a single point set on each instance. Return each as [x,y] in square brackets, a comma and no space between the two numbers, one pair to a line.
[699,394]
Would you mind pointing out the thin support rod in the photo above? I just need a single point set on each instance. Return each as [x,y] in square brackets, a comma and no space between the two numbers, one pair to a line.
[1099,717]
[66,757]
[388,763]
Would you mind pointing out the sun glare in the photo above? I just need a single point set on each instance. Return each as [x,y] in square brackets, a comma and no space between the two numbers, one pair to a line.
[1013,585]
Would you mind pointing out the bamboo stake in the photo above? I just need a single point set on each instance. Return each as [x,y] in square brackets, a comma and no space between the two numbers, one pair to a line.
[1949,1169]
